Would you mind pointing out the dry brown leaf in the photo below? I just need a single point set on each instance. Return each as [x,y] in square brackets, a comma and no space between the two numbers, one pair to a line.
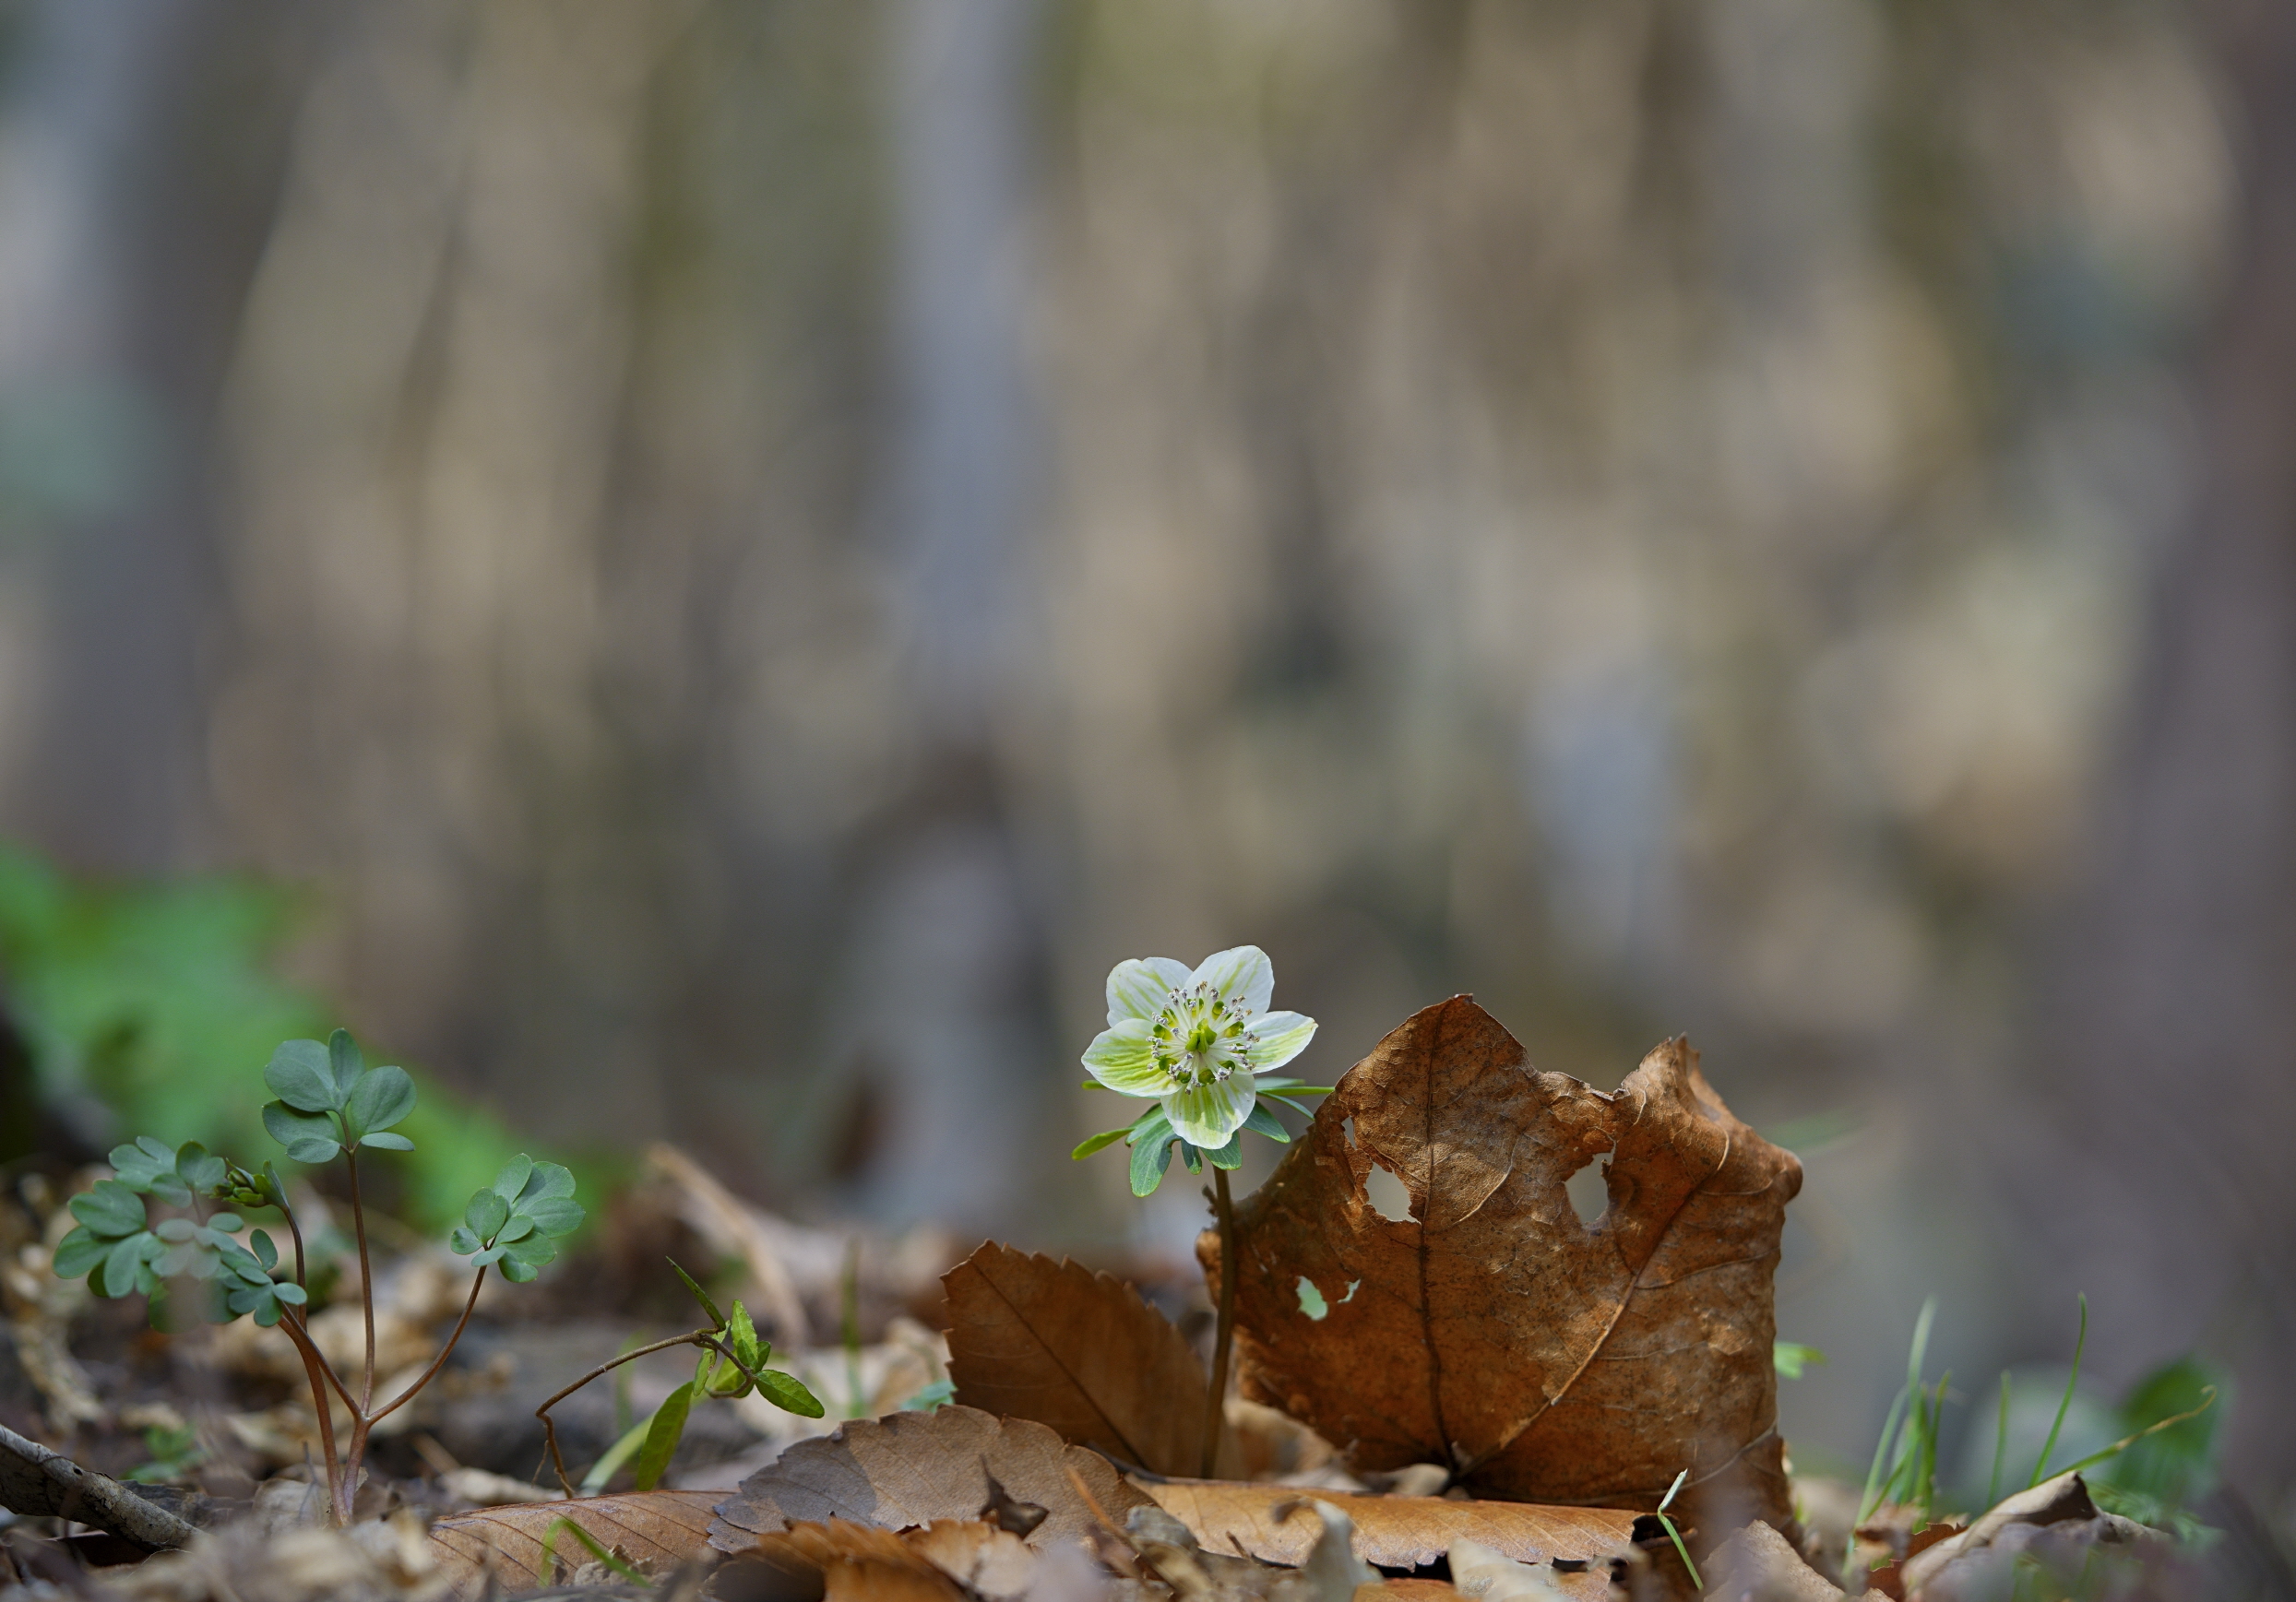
[1394,1532]
[1494,1577]
[1078,1351]
[1758,1565]
[1546,1360]
[652,1529]
[911,1468]
[2054,1525]
[848,1562]
[984,1559]
[1270,1445]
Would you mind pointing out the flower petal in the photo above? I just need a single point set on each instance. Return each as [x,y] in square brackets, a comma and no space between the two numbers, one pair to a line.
[1282,1036]
[1240,972]
[1138,986]
[1209,1115]
[1119,1058]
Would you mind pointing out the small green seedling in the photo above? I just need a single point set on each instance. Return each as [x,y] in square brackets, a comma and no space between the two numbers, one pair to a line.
[1912,1468]
[1674,1535]
[732,1363]
[331,1107]
[2081,1341]
[2174,1451]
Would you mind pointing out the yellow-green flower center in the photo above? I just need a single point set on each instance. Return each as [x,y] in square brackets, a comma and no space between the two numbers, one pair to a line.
[1200,1037]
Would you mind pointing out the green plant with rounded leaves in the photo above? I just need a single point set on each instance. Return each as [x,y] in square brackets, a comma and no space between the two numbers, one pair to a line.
[516,1222]
[331,1107]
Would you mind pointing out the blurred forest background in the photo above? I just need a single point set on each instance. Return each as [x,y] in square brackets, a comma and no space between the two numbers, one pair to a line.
[734,556]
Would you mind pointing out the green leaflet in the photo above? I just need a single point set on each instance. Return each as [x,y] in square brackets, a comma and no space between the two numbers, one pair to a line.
[1099,1142]
[1149,1159]
[663,1435]
[785,1392]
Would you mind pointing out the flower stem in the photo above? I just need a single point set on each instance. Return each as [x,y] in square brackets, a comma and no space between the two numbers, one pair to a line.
[1216,1396]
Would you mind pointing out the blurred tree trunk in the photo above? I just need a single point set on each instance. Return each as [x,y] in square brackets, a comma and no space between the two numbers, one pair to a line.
[944,1048]
[135,209]
[2169,1060]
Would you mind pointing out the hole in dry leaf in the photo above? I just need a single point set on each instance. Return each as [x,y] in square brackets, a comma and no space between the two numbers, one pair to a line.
[1385,1192]
[1590,1194]
[1346,1127]
[1312,1299]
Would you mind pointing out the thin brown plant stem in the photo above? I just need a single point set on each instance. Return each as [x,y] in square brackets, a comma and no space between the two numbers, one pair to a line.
[295,1230]
[349,1492]
[550,1430]
[438,1362]
[367,1279]
[1216,1394]
[299,1317]
[312,1364]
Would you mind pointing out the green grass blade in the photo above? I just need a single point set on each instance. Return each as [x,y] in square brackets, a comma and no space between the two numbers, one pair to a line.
[1674,1535]
[602,1471]
[1921,1347]
[2209,1396]
[2001,1447]
[567,1526]
[1925,1481]
[1877,1487]
[2065,1406]
[1871,1497]
[849,1296]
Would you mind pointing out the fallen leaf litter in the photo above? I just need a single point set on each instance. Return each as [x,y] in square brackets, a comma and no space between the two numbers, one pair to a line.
[1522,1384]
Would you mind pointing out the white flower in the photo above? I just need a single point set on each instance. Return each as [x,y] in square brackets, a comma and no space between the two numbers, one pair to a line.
[1194,1041]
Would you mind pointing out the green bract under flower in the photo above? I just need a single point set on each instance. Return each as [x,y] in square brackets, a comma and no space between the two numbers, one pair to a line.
[1194,1040]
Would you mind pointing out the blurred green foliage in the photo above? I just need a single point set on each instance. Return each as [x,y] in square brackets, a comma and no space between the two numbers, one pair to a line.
[2158,1480]
[161,1001]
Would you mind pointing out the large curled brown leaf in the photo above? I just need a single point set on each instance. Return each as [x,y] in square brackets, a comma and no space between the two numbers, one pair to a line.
[1078,1351]
[911,1468]
[653,1529]
[1394,1532]
[1542,1359]
[850,1563]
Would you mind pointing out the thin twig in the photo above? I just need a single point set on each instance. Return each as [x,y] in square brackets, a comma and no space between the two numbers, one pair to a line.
[1216,1395]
